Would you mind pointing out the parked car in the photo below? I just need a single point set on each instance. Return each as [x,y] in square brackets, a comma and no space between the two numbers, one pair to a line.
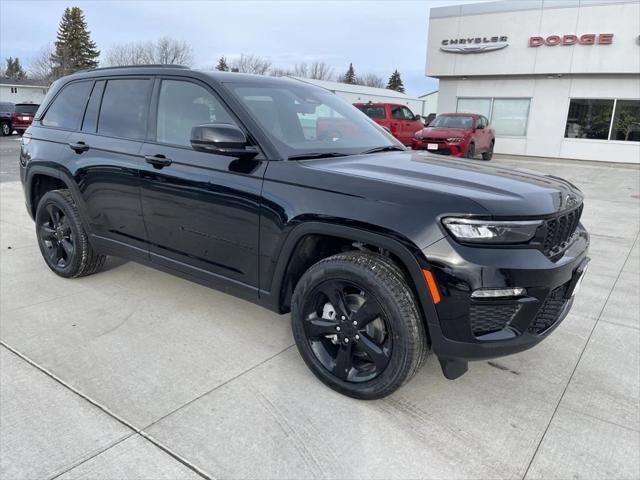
[380,254]
[459,135]
[398,119]
[6,112]
[23,116]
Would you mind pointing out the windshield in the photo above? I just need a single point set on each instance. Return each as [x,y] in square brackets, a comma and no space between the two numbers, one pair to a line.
[452,121]
[302,119]
[27,108]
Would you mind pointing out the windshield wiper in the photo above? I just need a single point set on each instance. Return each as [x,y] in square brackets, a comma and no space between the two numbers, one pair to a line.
[306,156]
[388,148]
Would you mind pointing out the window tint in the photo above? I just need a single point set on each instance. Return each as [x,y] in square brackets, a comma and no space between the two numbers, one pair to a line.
[452,121]
[91,115]
[183,105]
[124,107]
[67,108]
[407,114]
[626,121]
[589,118]
[372,111]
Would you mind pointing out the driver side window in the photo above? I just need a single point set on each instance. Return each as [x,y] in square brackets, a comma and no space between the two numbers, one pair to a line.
[183,105]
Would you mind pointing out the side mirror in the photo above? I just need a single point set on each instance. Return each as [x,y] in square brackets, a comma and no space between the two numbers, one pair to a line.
[221,139]
[480,127]
[418,117]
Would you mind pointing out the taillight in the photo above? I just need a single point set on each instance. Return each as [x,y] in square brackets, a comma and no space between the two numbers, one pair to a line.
[14,116]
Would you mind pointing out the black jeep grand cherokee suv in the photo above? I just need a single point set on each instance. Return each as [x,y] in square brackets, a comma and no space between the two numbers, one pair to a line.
[282,194]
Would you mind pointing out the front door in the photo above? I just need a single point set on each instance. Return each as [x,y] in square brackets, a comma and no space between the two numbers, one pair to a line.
[201,210]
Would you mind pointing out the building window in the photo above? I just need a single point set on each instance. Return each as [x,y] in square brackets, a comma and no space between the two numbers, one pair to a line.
[603,119]
[14,89]
[508,116]
[626,121]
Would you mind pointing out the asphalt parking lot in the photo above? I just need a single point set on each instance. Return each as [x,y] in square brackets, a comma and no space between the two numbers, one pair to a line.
[133,373]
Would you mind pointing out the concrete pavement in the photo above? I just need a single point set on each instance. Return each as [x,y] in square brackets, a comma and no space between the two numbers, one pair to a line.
[133,373]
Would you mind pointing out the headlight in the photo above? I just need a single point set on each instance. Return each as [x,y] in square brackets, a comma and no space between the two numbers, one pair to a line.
[455,140]
[489,231]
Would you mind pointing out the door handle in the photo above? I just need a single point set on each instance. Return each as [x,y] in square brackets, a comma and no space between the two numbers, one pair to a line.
[79,147]
[158,161]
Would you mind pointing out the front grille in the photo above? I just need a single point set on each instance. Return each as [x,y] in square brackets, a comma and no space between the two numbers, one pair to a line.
[550,310]
[434,140]
[559,231]
[491,318]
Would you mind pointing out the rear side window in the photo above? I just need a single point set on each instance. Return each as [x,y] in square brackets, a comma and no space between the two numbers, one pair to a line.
[123,112]
[93,107]
[372,112]
[67,108]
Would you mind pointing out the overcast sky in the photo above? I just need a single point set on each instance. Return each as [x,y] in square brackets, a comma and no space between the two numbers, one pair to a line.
[377,36]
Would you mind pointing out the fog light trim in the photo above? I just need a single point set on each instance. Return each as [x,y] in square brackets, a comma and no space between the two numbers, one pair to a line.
[485,293]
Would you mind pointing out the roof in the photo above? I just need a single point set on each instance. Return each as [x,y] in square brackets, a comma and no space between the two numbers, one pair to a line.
[24,83]
[479,8]
[360,89]
[428,94]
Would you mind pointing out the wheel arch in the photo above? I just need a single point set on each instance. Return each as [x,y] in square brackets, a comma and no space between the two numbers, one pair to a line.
[302,248]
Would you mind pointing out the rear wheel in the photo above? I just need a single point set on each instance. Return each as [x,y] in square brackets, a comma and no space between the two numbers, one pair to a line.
[356,325]
[5,129]
[488,155]
[61,237]
[471,150]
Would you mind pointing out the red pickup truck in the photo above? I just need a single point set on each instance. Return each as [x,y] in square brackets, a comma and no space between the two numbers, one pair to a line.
[398,119]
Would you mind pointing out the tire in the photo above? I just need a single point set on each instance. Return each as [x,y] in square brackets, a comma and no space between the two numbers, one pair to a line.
[5,129]
[471,151]
[20,132]
[488,155]
[62,239]
[388,345]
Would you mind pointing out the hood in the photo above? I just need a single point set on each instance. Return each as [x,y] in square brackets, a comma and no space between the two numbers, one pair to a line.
[502,191]
[444,132]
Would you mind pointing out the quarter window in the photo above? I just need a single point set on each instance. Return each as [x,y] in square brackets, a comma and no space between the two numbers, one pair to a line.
[183,105]
[67,108]
[123,112]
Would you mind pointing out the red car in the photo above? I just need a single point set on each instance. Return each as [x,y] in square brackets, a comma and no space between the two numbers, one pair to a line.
[459,135]
[398,119]
[22,116]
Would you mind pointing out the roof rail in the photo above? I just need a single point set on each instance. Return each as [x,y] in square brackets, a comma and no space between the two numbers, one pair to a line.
[148,65]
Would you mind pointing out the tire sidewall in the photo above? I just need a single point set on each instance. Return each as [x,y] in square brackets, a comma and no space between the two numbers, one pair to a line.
[471,150]
[5,129]
[395,370]
[79,238]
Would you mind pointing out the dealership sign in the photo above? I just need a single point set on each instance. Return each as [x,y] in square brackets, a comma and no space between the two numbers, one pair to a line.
[571,39]
[474,44]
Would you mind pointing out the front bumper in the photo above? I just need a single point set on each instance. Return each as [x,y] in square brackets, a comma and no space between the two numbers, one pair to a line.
[454,149]
[475,329]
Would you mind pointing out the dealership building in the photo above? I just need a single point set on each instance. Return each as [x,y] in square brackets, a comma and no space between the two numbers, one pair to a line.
[556,78]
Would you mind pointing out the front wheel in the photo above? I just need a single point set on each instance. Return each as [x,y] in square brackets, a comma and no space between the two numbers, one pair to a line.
[471,150]
[357,326]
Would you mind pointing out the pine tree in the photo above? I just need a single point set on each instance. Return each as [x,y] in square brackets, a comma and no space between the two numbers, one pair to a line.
[222,65]
[235,69]
[349,76]
[74,49]
[14,70]
[395,82]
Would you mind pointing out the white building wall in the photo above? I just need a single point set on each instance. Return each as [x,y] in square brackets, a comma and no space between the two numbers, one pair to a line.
[24,94]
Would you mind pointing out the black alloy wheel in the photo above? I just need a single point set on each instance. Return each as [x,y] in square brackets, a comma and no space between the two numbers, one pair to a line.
[54,231]
[62,238]
[356,324]
[347,330]
[486,156]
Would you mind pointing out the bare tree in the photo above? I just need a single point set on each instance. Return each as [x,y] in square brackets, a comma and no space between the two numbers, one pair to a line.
[165,50]
[252,64]
[370,80]
[41,67]
[301,70]
[281,72]
[320,71]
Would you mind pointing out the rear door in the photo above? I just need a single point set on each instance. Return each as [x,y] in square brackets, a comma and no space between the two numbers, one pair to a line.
[201,209]
[104,157]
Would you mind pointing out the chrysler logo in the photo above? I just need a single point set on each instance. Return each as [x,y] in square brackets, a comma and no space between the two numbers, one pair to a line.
[474,44]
